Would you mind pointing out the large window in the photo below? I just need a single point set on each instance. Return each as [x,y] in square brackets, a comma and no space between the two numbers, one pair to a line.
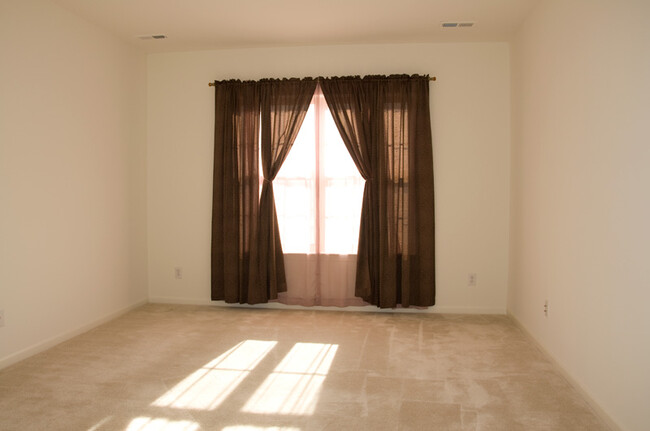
[318,191]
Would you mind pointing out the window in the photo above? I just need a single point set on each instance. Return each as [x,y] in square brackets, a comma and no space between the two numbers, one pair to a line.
[318,191]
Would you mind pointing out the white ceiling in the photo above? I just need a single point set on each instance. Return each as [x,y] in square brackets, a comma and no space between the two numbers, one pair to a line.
[210,24]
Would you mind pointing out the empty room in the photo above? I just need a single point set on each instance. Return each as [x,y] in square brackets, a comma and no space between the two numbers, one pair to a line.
[324,215]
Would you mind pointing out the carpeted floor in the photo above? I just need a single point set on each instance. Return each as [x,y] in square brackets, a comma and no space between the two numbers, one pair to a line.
[168,367]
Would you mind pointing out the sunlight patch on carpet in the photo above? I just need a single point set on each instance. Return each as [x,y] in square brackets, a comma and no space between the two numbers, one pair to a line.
[294,385]
[160,424]
[208,387]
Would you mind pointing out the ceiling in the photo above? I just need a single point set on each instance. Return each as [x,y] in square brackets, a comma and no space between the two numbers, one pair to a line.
[211,24]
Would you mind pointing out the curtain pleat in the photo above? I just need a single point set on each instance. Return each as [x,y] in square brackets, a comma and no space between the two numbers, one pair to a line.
[235,203]
[284,104]
[385,125]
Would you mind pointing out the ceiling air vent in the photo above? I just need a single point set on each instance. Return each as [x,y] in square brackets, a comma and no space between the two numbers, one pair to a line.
[152,36]
[449,24]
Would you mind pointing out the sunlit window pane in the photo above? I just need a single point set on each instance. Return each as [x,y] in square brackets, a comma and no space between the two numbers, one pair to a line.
[338,162]
[319,182]
[303,149]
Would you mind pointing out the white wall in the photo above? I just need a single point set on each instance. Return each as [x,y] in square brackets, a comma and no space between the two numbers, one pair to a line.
[72,179]
[471,140]
[580,195]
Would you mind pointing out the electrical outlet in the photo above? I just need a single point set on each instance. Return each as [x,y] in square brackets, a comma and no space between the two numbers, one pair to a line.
[546,308]
[471,279]
[178,273]
[2,318]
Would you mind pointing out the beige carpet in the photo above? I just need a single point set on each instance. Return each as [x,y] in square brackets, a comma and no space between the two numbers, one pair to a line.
[190,368]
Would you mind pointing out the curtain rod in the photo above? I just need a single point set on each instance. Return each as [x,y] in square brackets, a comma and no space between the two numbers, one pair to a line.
[211,84]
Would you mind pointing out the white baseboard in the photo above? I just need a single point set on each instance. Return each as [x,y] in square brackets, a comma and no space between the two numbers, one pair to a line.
[369,308]
[597,409]
[57,339]
[179,301]
[450,309]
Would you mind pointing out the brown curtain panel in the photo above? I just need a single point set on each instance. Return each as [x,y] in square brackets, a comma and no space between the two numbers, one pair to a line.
[349,101]
[284,104]
[235,203]
[385,124]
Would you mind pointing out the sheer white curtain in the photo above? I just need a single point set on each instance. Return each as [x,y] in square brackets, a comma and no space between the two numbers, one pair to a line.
[318,194]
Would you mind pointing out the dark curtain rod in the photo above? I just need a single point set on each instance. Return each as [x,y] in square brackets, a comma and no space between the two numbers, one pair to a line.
[211,84]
